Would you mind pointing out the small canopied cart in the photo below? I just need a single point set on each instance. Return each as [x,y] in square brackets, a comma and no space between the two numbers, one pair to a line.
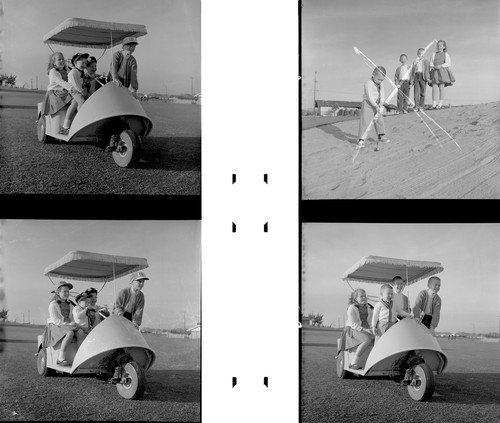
[406,345]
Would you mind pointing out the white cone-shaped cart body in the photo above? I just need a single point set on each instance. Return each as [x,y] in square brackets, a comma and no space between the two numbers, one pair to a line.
[113,333]
[406,335]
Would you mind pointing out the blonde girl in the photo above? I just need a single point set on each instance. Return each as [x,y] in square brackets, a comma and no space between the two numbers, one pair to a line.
[358,331]
[441,75]
[59,91]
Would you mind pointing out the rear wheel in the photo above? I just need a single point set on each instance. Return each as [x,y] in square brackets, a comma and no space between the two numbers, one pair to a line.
[423,384]
[41,128]
[128,150]
[341,372]
[41,363]
[133,381]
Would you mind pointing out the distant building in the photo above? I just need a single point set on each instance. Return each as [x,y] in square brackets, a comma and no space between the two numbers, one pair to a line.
[337,108]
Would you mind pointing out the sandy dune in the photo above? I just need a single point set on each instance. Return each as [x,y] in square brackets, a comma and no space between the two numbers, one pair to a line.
[414,164]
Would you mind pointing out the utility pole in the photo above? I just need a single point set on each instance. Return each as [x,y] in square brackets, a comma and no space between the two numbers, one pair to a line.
[314,93]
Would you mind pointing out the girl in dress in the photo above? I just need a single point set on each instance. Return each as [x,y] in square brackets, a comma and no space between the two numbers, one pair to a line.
[358,331]
[441,75]
[60,92]
[60,324]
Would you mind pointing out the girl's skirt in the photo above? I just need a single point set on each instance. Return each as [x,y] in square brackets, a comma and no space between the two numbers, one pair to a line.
[354,337]
[52,334]
[442,76]
[54,101]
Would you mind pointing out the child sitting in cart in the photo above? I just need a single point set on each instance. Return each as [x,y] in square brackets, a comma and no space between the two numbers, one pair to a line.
[130,301]
[385,312]
[60,92]
[400,300]
[428,304]
[91,81]
[81,312]
[60,324]
[357,331]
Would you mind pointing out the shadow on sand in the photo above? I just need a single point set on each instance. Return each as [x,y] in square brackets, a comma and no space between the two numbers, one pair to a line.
[341,135]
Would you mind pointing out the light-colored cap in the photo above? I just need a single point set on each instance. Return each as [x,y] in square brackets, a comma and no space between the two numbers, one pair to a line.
[129,40]
[138,275]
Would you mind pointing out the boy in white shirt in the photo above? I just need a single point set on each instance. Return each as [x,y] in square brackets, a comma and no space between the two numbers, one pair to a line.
[400,299]
[385,312]
[402,80]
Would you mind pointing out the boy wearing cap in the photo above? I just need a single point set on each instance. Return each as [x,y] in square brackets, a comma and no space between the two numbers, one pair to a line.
[130,301]
[124,66]
[90,79]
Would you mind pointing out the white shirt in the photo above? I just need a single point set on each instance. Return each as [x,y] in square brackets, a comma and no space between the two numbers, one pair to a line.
[56,82]
[428,305]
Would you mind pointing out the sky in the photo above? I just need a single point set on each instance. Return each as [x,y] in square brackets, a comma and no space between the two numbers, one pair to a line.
[168,56]
[469,253]
[172,249]
[385,29]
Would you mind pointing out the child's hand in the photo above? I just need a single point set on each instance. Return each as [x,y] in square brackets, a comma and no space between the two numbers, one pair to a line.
[117,82]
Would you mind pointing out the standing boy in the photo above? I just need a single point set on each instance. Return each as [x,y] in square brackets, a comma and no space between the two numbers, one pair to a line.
[130,301]
[420,74]
[428,304]
[124,66]
[402,80]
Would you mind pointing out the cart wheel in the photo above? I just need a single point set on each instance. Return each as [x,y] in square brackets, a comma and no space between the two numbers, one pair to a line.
[423,383]
[128,150]
[41,363]
[41,127]
[341,372]
[133,381]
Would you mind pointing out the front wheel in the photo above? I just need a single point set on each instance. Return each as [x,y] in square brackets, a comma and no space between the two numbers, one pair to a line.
[128,150]
[41,363]
[423,384]
[41,128]
[133,381]
[341,372]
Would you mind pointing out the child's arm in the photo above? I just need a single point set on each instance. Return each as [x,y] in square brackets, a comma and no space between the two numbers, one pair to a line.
[55,314]
[417,308]
[353,318]
[138,311]
[134,83]
[371,93]
[436,314]
[119,305]
[376,311]
[55,77]
[74,83]
[79,313]
[447,61]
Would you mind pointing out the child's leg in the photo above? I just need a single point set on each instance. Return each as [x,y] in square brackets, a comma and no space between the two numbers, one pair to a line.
[64,344]
[435,89]
[70,114]
[406,92]
[441,94]
[423,87]
[79,99]
[80,336]
[359,352]
[365,117]
[379,125]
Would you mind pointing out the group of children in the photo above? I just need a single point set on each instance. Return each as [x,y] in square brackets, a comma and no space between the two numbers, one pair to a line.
[67,319]
[435,72]
[366,323]
[74,86]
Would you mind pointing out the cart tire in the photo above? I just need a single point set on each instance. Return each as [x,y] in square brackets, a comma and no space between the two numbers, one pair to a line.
[129,149]
[41,363]
[41,127]
[341,372]
[134,384]
[425,383]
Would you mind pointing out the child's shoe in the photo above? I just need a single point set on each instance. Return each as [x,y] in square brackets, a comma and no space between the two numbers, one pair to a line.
[113,143]
[382,138]
[361,144]
[64,131]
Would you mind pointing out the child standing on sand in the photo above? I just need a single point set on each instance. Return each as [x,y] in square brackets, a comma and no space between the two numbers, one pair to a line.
[371,107]
[402,80]
[441,75]
[420,74]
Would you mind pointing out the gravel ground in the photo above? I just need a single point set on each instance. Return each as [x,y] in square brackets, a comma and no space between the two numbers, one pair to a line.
[173,388]
[170,164]
[467,391]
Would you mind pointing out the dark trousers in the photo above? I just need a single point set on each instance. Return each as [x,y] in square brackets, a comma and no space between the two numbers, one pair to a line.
[426,320]
[403,92]
[419,89]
